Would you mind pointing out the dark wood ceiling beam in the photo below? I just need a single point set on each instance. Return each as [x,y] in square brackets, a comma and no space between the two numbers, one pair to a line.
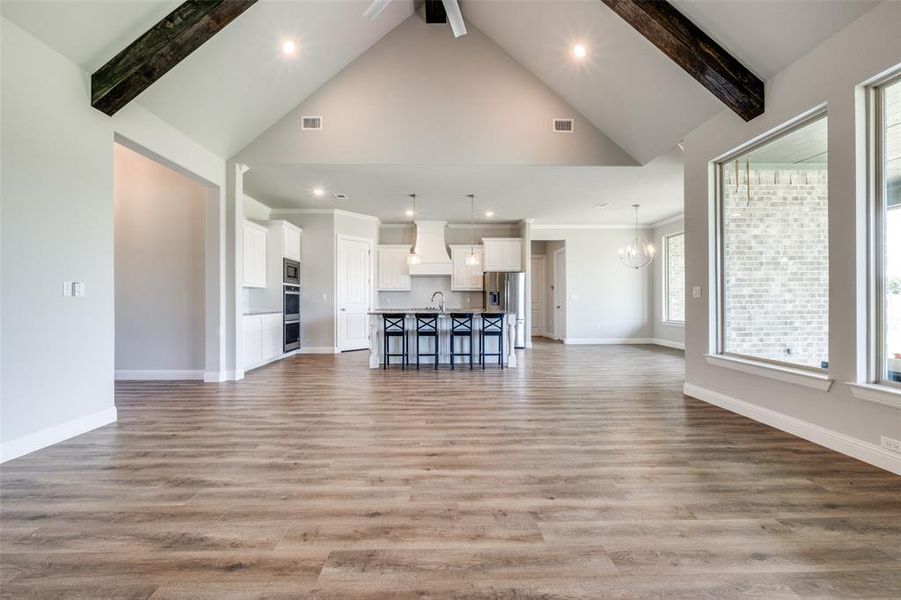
[693,50]
[160,48]
[434,12]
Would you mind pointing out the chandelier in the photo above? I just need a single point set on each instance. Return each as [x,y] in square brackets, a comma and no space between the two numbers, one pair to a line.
[638,254]
[413,257]
[472,260]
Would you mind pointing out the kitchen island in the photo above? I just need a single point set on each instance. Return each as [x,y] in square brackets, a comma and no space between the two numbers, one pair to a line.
[376,344]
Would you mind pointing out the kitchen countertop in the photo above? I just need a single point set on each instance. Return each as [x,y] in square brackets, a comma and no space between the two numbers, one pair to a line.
[447,311]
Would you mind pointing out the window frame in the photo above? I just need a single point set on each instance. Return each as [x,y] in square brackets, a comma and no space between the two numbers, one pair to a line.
[877,209]
[664,242]
[719,247]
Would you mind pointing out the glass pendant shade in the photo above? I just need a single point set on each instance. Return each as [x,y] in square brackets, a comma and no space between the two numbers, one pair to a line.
[471,259]
[413,257]
[639,253]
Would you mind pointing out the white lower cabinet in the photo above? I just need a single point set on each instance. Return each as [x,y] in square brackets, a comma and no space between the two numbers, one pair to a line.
[262,339]
[465,277]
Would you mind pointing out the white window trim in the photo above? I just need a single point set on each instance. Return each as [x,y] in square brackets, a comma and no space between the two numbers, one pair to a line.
[880,394]
[803,377]
[663,242]
[774,370]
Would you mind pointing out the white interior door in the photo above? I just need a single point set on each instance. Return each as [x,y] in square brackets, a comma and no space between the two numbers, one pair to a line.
[539,294]
[353,293]
[559,294]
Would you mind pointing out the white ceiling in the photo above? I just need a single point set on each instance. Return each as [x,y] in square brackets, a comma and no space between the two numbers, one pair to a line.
[768,35]
[558,195]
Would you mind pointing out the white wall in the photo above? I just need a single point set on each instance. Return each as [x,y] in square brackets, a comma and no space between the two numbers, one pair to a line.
[664,333]
[57,189]
[827,75]
[256,210]
[159,270]
[606,301]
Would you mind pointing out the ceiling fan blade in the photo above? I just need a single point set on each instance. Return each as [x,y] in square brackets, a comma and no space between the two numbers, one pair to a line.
[376,8]
[454,17]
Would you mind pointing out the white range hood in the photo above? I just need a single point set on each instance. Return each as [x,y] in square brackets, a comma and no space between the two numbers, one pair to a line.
[431,249]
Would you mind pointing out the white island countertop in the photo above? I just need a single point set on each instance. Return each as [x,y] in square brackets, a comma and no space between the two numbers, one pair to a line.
[376,336]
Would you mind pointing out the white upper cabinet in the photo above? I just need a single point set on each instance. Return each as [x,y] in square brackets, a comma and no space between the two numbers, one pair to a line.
[254,255]
[393,271]
[291,238]
[502,254]
[465,277]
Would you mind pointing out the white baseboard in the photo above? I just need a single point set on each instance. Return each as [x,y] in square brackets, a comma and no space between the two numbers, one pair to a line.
[215,376]
[853,447]
[668,343]
[319,350]
[606,341]
[53,435]
[158,375]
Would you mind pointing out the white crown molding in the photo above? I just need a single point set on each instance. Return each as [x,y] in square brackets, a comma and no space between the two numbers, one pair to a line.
[53,435]
[847,445]
[546,226]
[495,225]
[668,220]
[287,212]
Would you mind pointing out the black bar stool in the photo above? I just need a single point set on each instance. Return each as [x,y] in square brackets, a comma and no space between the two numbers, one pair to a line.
[492,326]
[395,326]
[426,327]
[461,327]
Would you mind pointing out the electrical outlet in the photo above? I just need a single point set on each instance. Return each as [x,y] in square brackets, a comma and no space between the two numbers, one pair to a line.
[891,444]
[696,291]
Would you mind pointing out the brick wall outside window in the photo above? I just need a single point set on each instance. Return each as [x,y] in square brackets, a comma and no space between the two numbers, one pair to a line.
[675,276]
[776,271]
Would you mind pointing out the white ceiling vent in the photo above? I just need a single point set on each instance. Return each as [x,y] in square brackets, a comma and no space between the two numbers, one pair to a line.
[563,125]
[311,122]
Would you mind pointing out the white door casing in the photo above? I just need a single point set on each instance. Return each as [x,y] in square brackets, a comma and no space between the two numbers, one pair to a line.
[539,293]
[353,283]
[560,294]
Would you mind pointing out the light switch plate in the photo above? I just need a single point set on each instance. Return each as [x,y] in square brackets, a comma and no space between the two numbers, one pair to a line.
[67,288]
[696,291]
[78,289]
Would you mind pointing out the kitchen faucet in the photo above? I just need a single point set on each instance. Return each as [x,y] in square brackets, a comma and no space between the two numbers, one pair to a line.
[440,304]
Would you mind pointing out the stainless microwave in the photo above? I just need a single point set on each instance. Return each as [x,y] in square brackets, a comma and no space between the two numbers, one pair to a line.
[291,272]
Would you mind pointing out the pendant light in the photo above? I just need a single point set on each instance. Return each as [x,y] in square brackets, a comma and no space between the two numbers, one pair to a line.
[413,258]
[472,260]
[638,254]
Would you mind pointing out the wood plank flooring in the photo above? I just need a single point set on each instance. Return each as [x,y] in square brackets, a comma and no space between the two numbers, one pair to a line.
[584,474]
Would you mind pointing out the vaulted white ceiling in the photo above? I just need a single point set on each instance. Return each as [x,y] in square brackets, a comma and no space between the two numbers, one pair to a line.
[237,85]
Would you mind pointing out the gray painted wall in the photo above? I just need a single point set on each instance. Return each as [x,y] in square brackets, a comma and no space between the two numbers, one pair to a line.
[865,49]
[159,266]
[493,111]
[606,301]
[58,226]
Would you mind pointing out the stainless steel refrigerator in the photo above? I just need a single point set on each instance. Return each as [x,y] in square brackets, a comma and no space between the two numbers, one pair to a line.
[507,291]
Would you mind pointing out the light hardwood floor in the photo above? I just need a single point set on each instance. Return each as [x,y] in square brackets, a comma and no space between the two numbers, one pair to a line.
[584,474]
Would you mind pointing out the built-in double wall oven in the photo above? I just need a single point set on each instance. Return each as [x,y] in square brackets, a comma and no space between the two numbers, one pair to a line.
[291,304]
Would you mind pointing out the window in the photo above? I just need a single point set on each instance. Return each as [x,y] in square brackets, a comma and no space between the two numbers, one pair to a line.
[674,278]
[774,249]
[887,246]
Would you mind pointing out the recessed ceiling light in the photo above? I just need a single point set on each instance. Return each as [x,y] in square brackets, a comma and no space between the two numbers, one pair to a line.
[602,205]
[580,51]
[410,212]
[318,191]
[489,213]
[289,47]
